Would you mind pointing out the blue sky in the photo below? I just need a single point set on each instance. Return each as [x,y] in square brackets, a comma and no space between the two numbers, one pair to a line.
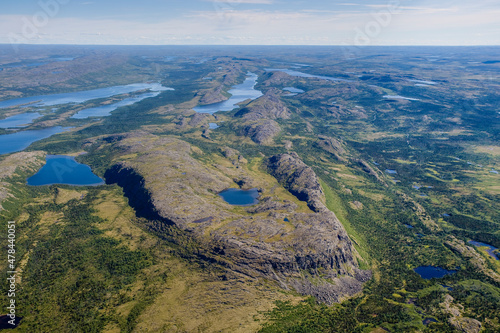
[254,22]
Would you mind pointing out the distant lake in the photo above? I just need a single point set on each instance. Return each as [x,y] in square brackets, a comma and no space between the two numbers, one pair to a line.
[301,74]
[19,120]
[400,97]
[213,126]
[61,169]
[490,249]
[18,141]
[423,82]
[239,93]
[80,96]
[105,110]
[431,272]
[237,197]
[293,90]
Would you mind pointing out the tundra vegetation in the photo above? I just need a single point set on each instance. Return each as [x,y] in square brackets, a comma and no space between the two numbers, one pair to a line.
[356,191]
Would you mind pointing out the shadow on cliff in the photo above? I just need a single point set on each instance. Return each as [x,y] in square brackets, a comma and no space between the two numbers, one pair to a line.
[138,196]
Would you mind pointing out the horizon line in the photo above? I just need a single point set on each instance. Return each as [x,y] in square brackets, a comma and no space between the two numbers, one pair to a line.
[259,45]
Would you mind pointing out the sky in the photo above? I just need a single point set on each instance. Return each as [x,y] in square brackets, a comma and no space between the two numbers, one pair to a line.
[251,22]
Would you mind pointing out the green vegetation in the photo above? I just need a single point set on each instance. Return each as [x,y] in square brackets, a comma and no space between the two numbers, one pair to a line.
[86,259]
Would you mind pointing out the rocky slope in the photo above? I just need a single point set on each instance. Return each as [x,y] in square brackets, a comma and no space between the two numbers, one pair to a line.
[298,178]
[261,132]
[268,106]
[275,239]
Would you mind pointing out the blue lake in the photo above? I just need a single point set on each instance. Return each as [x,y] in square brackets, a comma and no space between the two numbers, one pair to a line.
[80,96]
[237,197]
[293,91]
[400,97]
[490,249]
[213,126]
[430,272]
[394,172]
[61,169]
[239,93]
[19,120]
[301,74]
[10,143]
[105,110]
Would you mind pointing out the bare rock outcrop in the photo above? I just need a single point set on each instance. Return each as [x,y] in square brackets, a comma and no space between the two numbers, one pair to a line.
[165,183]
[332,146]
[298,178]
[213,95]
[268,106]
[461,323]
[262,131]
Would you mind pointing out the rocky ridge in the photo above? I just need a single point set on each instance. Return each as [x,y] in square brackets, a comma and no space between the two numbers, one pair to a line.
[273,239]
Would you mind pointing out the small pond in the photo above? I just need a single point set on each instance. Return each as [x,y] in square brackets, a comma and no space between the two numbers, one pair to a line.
[238,197]
[61,169]
[431,272]
[427,321]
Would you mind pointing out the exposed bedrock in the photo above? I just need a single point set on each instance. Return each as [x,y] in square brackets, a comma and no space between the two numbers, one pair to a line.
[272,239]
[298,178]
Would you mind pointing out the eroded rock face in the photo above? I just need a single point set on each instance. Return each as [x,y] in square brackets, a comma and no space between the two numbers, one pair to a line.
[272,239]
[298,178]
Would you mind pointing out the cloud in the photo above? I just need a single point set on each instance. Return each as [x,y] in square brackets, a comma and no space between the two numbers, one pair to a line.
[425,24]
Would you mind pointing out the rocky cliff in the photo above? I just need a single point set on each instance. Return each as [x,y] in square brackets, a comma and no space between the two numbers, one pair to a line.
[298,178]
[275,239]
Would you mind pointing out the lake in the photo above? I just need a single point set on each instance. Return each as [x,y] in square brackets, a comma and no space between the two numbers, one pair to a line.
[238,197]
[105,110]
[400,97]
[19,120]
[239,93]
[489,248]
[301,74]
[432,272]
[81,96]
[10,143]
[61,169]
[213,126]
